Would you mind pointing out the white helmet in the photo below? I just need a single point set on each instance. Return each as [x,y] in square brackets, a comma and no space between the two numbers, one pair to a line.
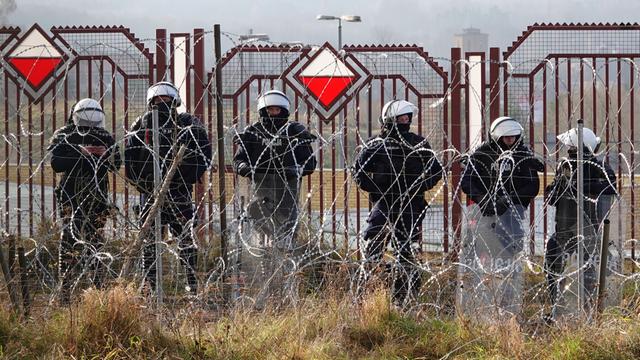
[164,88]
[273,98]
[505,126]
[395,108]
[88,112]
[589,139]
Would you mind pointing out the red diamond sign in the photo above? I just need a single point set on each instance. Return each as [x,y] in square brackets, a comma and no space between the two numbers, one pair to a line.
[35,57]
[326,81]
[326,77]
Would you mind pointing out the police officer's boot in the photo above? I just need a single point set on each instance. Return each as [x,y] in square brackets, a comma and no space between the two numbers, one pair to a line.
[97,269]
[67,260]
[401,285]
[554,266]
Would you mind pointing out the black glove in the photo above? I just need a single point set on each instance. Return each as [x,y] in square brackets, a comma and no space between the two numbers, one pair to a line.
[502,204]
[243,170]
[495,206]
[567,187]
[560,187]
[292,172]
[486,205]
[600,187]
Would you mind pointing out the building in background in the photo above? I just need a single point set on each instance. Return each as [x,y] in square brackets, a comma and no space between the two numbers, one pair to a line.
[471,40]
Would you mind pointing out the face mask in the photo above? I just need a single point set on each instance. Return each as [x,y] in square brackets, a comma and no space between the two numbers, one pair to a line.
[274,123]
[403,128]
[573,153]
[164,107]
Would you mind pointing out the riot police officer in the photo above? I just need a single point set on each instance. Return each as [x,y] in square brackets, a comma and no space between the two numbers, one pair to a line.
[275,153]
[599,181]
[500,179]
[396,168]
[175,129]
[84,152]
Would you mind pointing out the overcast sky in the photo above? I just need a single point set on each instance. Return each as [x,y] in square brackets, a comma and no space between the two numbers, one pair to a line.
[427,23]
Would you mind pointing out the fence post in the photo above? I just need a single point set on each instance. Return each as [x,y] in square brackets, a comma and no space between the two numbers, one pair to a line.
[198,95]
[161,54]
[456,136]
[157,182]
[24,282]
[580,216]
[221,158]
[494,83]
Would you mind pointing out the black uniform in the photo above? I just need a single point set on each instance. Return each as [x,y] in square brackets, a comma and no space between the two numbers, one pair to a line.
[496,179]
[275,154]
[178,208]
[396,169]
[268,148]
[599,179]
[500,181]
[82,196]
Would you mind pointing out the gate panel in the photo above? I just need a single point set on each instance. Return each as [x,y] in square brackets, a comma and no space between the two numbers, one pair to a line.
[556,74]
[382,74]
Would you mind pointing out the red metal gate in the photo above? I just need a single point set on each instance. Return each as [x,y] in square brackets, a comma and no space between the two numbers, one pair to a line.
[551,76]
[554,75]
[345,119]
[42,77]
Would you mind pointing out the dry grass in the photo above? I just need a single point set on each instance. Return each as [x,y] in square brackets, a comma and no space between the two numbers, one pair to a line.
[118,324]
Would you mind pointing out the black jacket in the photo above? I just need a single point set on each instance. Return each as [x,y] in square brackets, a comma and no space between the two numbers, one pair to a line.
[397,167]
[491,173]
[185,130]
[84,181]
[598,179]
[287,150]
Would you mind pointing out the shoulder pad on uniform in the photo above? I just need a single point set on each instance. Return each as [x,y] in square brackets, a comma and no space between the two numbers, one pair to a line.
[484,147]
[139,122]
[420,140]
[480,149]
[373,139]
[255,129]
[186,119]
[295,129]
[523,148]
[242,137]
[562,161]
[67,129]
[417,137]
[375,142]
[101,131]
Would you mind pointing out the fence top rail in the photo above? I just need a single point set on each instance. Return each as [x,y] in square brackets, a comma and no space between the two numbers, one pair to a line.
[565,26]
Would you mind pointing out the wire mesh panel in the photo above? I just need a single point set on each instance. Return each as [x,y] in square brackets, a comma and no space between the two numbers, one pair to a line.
[555,75]
[43,77]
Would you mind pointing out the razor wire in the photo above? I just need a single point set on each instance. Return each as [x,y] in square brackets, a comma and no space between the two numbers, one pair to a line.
[275,262]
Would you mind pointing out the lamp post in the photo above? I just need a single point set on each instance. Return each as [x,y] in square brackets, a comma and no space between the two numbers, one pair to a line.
[347,18]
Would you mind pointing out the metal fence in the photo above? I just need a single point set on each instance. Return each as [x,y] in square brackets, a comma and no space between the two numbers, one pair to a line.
[550,77]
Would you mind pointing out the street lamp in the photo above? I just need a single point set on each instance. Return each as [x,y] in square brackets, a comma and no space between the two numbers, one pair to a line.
[347,18]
